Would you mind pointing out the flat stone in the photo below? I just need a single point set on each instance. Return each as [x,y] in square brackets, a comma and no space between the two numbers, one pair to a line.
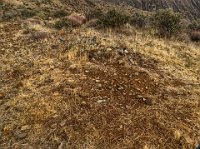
[101,101]
[97,81]
[25,127]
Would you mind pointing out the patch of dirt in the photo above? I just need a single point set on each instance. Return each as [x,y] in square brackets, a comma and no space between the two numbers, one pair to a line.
[61,93]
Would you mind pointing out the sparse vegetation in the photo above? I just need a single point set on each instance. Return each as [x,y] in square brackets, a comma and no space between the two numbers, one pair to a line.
[62,23]
[139,20]
[114,19]
[167,22]
[195,25]
[27,12]
[56,84]
[46,1]
[95,14]
[60,13]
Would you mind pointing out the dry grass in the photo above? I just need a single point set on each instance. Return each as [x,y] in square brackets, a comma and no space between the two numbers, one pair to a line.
[77,90]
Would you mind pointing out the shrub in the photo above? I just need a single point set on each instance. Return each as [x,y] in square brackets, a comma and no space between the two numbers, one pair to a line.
[138,20]
[62,23]
[60,13]
[195,36]
[95,14]
[46,1]
[27,12]
[8,16]
[195,25]
[167,22]
[113,19]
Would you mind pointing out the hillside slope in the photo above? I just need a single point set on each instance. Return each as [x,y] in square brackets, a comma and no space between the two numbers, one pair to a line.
[83,88]
[190,7]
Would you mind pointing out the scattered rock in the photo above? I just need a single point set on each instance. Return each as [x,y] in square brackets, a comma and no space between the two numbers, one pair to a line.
[73,67]
[120,51]
[101,101]
[99,85]
[147,101]
[63,145]
[126,51]
[108,49]
[62,39]
[25,127]
[145,147]
[97,81]
[121,62]
[63,123]
[177,135]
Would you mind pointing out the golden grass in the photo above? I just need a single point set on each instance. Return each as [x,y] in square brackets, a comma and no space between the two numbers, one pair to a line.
[72,100]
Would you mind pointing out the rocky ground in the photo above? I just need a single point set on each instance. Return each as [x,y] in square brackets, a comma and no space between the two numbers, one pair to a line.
[87,88]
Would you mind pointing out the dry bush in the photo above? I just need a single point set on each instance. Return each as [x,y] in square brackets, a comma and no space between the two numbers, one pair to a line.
[113,19]
[94,14]
[195,25]
[62,23]
[167,22]
[60,13]
[138,20]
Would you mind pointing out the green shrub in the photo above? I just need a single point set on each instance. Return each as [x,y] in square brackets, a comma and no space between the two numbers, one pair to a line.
[60,13]
[138,20]
[27,13]
[195,25]
[46,1]
[62,23]
[95,14]
[8,16]
[167,22]
[113,19]
[89,2]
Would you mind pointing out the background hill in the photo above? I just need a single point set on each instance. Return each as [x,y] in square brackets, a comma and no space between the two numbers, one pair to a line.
[190,7]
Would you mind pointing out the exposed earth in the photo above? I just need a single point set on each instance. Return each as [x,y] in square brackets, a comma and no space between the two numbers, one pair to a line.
[96,89]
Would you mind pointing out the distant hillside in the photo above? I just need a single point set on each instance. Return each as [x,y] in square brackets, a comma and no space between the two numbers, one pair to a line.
[190,7]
